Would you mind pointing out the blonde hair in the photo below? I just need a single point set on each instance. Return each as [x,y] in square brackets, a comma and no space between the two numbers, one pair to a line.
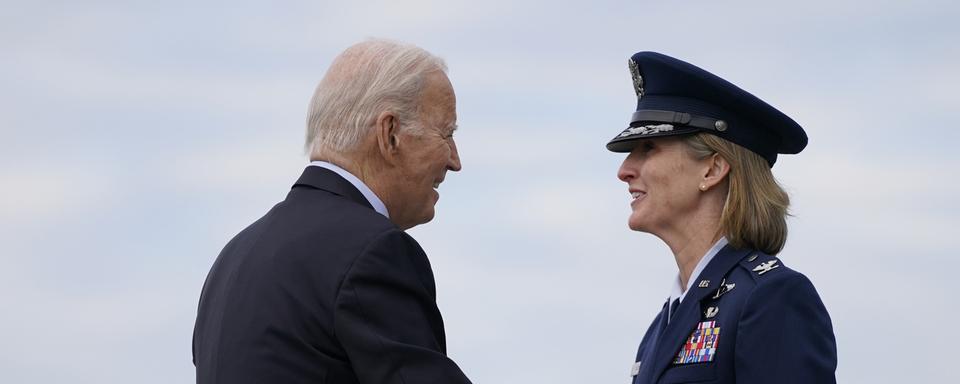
[755,211]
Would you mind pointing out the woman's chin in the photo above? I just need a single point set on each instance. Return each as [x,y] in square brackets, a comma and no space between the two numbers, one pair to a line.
[636,224]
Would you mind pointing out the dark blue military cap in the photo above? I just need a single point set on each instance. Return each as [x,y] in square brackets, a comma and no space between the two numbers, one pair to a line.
[677,98]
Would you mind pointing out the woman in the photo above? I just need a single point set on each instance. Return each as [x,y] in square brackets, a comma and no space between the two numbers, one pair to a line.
[699,171]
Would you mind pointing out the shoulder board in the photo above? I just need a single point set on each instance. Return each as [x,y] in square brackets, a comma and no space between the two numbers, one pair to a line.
[759,264]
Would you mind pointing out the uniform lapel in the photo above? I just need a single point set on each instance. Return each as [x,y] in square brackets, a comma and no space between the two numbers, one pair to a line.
[649,344]
[687,316]
[330,181]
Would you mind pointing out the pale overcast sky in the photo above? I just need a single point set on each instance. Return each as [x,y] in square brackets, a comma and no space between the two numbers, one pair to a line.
[139,136]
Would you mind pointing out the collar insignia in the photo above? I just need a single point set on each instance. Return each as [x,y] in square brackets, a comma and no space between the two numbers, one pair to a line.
[724,288]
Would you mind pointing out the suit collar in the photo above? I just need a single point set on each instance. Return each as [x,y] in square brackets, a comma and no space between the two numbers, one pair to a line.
[688,314]
[365,190]
[330,181]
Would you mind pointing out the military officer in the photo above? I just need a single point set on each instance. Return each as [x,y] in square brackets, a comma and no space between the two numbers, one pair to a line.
[698,170]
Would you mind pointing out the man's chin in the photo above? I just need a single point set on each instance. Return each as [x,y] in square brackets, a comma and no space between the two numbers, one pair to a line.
[426,218]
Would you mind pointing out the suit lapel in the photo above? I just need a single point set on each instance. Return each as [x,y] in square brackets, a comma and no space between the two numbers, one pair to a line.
[330,181]
[687,316]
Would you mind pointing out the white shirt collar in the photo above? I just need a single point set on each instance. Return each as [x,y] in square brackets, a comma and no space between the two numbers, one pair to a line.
[678,292]
[364,190]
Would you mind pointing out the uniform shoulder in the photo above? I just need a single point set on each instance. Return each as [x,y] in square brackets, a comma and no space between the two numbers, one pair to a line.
[772,280]
[764,269]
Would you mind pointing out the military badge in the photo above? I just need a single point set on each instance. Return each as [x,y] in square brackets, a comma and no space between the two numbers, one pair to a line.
[646,130]
[702,345]
[766,267]
[637,79]
[724,288]
[711,312]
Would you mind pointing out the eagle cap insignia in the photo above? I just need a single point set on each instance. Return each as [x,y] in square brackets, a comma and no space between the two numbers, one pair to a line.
[637,79]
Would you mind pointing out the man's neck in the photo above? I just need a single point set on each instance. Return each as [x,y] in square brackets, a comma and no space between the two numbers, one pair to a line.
[369,173]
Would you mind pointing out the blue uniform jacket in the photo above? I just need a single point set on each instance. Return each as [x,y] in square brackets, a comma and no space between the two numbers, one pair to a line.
[746,319]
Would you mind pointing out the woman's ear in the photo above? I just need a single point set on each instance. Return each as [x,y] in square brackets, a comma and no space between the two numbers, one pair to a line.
[718,169]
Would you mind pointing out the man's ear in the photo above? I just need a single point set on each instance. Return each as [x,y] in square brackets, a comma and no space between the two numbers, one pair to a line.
[387,131]
[718,170]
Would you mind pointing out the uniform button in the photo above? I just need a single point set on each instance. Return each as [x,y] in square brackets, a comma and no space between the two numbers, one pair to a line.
[720,125]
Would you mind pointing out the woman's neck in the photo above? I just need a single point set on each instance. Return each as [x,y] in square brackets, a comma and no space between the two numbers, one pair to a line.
[690,245]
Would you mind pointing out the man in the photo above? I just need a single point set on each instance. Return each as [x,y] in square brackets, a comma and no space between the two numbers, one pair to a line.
[327,287]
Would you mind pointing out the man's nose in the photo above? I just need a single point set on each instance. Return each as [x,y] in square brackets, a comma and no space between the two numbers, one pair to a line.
[454,163]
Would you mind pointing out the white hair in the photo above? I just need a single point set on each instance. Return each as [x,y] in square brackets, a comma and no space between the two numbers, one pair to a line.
[365,80]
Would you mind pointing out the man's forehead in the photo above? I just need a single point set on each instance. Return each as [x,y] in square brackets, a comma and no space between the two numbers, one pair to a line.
[438,89]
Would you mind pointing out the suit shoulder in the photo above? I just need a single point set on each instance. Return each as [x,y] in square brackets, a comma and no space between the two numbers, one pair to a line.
[313,232]
[322,215]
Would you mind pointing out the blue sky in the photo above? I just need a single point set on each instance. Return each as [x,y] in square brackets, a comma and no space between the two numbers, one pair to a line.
[139,136]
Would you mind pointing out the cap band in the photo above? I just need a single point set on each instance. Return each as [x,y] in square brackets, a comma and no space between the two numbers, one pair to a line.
[683,118]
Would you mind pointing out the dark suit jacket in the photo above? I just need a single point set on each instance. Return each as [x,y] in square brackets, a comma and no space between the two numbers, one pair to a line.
[322,289]
[769,326]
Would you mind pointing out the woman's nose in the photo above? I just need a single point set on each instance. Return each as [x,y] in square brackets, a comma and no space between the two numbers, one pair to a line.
[626,173]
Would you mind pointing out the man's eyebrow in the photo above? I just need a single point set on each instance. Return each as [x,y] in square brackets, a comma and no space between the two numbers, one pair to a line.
[453,127]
